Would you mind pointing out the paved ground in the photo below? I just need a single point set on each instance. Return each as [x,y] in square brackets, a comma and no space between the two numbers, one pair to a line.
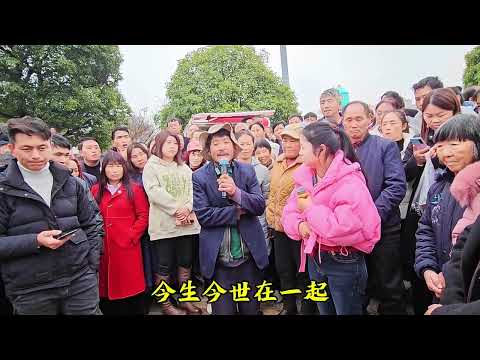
[267,308]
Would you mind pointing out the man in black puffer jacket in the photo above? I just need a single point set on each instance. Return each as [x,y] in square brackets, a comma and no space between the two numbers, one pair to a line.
[38,200]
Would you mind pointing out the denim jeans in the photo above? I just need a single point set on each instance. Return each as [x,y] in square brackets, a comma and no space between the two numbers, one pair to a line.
[78,298]
[346,278]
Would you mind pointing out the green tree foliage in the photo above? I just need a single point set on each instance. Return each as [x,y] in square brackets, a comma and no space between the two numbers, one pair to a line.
[471,75]
[73,88]
[225,79]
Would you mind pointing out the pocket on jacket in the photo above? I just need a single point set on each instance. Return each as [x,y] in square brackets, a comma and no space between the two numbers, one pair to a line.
[78,238]
[78,249]
[29,271]
[123,240]
[133,241]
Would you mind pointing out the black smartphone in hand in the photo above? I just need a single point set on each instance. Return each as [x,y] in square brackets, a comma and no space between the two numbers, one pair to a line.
[65,234]
[418,142]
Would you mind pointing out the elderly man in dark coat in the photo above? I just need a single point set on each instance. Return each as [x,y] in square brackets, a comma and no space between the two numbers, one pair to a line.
[227,202]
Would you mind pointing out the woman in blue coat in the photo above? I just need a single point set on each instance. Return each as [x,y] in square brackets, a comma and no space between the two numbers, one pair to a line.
[457,144]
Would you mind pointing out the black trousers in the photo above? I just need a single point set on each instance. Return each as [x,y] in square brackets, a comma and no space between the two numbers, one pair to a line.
[174,252]
[270,272]
[133,305]
[385,278]
[228,277]
[421,297]
[287,262]
[197,277]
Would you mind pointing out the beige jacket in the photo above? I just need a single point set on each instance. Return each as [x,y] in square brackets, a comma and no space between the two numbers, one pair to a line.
[169,187]
[281,186]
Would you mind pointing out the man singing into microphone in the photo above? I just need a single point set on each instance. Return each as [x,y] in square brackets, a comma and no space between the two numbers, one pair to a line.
[232,245]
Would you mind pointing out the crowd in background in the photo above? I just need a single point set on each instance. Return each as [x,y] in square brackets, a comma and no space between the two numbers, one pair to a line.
[380,202]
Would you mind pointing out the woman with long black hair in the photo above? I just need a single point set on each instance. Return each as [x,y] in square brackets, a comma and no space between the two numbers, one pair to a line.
[124,207]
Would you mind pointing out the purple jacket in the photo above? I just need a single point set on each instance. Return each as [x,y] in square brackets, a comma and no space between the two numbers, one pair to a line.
[215,213]
[382,165]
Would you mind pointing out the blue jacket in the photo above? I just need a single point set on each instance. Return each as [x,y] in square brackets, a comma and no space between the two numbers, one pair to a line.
[382,165]
[434,233]
[215,213]
[89,179]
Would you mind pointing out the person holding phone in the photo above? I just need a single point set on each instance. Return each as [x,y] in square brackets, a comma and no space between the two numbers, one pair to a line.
[438,107]
[418,143]
[44,273]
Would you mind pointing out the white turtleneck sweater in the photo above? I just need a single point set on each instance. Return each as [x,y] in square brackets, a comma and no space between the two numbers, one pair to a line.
[41,181]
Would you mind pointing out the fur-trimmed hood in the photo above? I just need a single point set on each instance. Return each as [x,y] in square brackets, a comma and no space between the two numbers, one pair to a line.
[466,184]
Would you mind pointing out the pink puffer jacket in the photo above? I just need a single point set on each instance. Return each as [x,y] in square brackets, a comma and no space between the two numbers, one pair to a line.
[342,211]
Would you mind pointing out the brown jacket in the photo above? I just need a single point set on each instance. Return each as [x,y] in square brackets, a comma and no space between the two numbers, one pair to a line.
[281,186]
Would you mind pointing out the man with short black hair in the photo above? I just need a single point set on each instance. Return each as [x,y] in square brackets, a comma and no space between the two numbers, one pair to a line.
[294,119]
[61,149]
[121,140]
[91,156]
[420,90]
[174,125]
[394,97]
[39,200]
[309,118]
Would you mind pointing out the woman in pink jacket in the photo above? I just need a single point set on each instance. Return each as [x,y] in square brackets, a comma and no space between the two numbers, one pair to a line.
[332,213]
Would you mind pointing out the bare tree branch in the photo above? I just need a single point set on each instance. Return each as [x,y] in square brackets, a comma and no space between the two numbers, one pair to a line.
[141,128]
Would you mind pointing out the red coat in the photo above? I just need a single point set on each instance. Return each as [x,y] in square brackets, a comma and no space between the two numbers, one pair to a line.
[125,221]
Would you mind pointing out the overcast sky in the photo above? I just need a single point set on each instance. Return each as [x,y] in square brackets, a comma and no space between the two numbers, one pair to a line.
[365,71]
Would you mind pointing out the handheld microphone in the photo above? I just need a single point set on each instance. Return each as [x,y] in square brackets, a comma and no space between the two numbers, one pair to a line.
[224,164]
[302,193]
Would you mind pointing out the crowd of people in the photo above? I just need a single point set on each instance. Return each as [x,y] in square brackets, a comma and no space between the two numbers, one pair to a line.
[377,206]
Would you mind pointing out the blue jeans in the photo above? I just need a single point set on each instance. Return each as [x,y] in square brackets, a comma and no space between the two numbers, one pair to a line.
[346,278]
